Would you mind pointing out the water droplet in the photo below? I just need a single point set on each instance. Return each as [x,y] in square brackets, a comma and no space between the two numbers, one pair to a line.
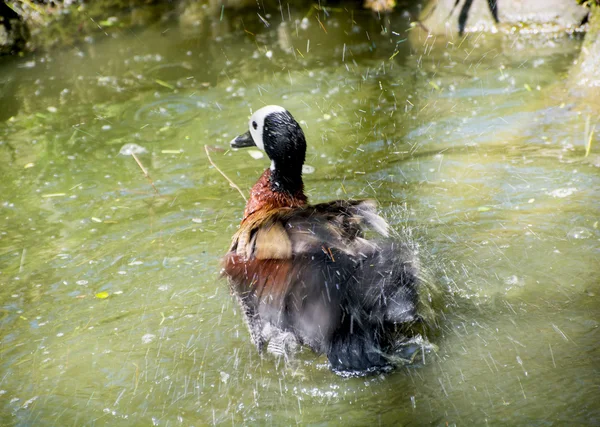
[562,192]
[579,233]
[131,148]
[256,154]
[147,339]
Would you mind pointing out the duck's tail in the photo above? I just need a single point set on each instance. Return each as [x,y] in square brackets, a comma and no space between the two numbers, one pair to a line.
[357,354]
[382,300]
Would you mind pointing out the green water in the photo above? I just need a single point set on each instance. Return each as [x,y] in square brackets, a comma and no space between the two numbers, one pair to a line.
[476,147]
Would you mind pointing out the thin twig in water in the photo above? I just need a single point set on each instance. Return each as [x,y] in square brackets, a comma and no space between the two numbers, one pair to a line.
[231,183]
[588,135]
[552,354]
[22,260]
[145,172]
[588,146]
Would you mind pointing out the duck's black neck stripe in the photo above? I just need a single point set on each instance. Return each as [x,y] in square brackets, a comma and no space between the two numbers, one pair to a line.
[289,181]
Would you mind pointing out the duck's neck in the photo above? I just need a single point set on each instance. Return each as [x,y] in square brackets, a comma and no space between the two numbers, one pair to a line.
[289,181]
[273,190]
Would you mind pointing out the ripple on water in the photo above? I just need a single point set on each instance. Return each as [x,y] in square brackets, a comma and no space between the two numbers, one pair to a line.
[579,233]
[562,192]
[173,110]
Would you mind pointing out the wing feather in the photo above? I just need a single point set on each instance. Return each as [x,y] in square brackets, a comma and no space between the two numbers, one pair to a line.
[271,242]
[292,268]
[285,232]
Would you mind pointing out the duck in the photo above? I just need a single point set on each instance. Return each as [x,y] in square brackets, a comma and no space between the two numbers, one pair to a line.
[327,276]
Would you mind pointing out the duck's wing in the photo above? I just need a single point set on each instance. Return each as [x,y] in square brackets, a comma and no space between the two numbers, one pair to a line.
[361,214]
[291,267]
[338,225]
[282,233]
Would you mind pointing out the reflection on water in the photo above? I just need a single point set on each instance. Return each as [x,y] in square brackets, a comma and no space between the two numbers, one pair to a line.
[112,309]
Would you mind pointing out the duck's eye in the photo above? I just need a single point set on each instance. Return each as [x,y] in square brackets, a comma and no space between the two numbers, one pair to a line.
[254,125]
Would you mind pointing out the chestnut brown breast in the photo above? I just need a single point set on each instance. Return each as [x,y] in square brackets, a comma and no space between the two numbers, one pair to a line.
[263,198]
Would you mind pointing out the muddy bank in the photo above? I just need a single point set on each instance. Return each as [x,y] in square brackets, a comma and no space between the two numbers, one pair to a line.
[29,26]
[554,18]
[586,72]
[32,25]
[449,17]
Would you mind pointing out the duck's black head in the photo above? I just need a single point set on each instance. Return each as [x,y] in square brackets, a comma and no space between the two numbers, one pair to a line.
[274,130]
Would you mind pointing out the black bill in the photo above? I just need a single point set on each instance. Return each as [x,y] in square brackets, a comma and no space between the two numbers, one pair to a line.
[244,140]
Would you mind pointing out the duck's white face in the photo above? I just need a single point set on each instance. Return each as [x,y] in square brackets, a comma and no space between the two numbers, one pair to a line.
[273,130]
[256,124]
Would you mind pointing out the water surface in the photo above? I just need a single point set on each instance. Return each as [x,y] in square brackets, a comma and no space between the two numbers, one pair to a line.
[112,310]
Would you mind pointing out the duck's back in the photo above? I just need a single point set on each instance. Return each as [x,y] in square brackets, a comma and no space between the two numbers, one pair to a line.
[310,272]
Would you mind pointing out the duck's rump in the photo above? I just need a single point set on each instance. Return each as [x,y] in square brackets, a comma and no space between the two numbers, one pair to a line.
[309,271]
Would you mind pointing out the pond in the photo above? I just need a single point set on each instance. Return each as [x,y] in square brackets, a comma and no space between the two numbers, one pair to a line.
[112,308]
